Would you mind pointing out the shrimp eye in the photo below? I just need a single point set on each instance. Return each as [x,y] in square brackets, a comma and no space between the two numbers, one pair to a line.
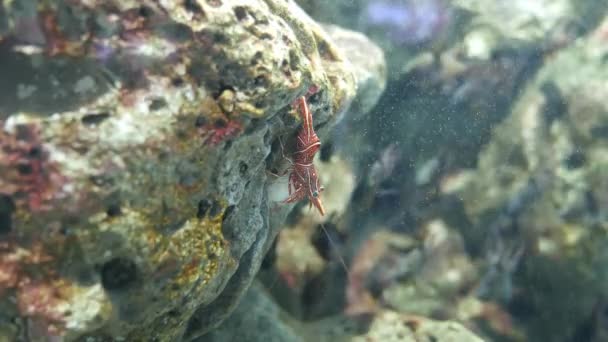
[315,194]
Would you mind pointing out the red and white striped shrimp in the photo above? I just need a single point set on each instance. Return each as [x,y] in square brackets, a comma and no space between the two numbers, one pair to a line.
[303,179]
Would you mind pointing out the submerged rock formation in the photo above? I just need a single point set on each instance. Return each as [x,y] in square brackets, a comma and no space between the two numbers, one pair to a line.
[538,196]
[134,137]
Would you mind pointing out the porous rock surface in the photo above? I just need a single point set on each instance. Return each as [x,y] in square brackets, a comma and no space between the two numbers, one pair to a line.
[133,144]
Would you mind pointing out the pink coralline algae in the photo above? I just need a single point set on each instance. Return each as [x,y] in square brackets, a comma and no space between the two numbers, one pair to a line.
[36,299]
[26,174]
[219,131]
[40,301]
[407,22]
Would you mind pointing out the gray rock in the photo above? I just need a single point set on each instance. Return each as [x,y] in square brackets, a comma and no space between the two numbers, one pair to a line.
[256,318]
[369,67]
[537,198]
[135,137]
[390,326]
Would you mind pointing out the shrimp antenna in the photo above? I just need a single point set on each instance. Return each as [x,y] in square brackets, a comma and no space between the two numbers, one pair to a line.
[335,246]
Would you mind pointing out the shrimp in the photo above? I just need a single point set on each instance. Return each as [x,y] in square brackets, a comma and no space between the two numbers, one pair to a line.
[303,178]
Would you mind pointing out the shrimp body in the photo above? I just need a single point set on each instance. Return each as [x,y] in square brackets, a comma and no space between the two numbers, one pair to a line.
[303,178]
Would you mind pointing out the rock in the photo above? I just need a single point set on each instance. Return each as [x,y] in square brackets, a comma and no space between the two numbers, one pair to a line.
[339,183]
[390,326]
[134,139]
[369,67]
[410,276]
[521,23]
[537,198]
[406,28]
[309,262]
[442,103]
[256,318]
[297,256]
[401,28]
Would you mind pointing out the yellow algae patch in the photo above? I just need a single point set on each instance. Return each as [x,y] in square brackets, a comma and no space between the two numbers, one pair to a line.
[131,233]
[192,252]
[199,243]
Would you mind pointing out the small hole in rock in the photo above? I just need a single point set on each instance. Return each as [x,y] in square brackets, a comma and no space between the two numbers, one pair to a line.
[7,207]
[294,60]
[177,82]
[114,210]
[145,12]
[157,104]
[216,209]
[101,180]
[203,207]
[316,97]
[163,156]
[220,123]
[200,121]
[35,152]
[227,213]
[256,58]
[243,168]
[193,6]
[240,12]
[555,106]
[575,160]
[181,134]
[260,81]
[94,118]
[24,168]
[118,273]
